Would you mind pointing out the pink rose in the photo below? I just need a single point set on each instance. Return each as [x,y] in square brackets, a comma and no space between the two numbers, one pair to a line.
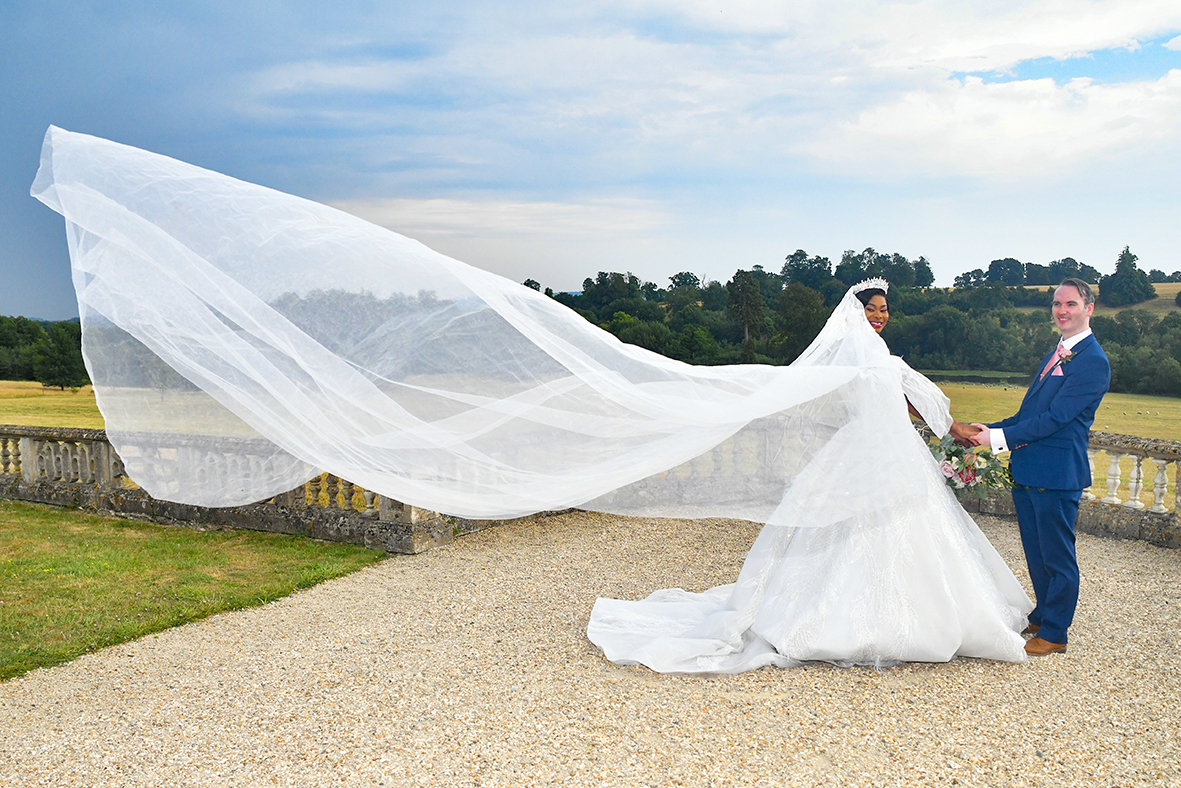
[946,468]
[970,459]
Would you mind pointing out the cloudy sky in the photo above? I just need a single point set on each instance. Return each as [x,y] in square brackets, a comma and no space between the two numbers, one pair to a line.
[551,142]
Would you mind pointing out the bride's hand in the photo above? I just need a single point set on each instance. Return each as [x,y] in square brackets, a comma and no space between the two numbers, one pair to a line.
[963,433]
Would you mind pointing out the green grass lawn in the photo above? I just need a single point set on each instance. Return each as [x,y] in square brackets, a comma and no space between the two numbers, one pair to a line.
[71,583]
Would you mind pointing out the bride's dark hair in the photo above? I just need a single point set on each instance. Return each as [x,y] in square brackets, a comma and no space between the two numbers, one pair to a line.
[865,295]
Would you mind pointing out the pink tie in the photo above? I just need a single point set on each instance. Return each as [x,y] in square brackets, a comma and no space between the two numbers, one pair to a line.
[1050,364]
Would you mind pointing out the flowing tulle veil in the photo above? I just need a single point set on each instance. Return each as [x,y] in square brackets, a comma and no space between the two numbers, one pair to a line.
[242,340]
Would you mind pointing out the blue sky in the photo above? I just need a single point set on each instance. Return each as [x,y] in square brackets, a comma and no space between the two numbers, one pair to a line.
[651,136]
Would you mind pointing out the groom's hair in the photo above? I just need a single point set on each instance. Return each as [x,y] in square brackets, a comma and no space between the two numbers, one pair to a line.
[1082,287]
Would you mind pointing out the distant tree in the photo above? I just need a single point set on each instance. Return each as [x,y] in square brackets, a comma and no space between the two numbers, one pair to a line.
[610,286]
[714,296]
[813,272]
[973,278]
[923,276]
[18,338]
[697,345]
[1089,274]
[1156,276]
[57,360]
[1128,285]
[851,269]
[532,284]
[683,279]
[770,285]
[1007,271]
[799,315]
[549,291]
[1062,269]
[1038,274]
[650,292]
[895,269]
[746,308]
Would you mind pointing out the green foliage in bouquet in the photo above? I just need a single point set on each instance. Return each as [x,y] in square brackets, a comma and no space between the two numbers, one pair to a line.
[974,470]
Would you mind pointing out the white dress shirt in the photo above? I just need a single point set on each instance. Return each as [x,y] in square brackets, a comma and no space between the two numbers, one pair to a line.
[996,436]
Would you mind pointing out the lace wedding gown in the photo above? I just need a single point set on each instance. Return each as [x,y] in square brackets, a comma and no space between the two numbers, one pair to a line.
[911,579]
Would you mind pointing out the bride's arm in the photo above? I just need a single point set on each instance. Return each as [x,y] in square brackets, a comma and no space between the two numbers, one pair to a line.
[926,401]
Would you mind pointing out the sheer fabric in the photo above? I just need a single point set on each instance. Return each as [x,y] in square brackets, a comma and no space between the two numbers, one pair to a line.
[241,341]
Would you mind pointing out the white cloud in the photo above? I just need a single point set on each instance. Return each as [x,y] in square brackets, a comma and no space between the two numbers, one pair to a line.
[498,217]
[1174,44]
[1008,130]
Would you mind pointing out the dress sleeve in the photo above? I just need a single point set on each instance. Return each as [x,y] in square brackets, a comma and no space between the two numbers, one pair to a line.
[931,403]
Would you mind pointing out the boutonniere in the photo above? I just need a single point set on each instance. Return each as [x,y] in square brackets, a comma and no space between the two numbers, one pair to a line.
[1064,355]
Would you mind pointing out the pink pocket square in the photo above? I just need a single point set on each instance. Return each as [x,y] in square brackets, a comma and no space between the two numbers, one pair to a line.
[1057,371]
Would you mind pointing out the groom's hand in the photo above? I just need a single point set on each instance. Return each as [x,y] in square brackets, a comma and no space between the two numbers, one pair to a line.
[981,436]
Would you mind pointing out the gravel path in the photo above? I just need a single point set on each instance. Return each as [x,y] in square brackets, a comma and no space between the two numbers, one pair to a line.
[468,665]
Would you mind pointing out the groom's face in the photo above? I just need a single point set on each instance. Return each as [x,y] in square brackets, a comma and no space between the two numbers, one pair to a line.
[1071,313]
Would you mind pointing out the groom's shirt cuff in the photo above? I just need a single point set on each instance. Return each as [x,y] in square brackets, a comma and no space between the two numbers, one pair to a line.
[996,439]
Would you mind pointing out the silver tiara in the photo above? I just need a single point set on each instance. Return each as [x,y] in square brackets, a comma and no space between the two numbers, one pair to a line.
[870,284]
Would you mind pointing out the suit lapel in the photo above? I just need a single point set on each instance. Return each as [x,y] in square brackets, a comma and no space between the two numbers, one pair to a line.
[1081,347]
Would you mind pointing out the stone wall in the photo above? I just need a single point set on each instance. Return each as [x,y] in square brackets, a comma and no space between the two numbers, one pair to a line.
[79,469]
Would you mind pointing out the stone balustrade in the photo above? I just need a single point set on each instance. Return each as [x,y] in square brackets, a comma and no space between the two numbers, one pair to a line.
[79,468]
[75,467]
[1119,503]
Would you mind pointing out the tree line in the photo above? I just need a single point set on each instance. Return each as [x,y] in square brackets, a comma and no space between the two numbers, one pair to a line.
[1128,285]
[770,317]
[50,353]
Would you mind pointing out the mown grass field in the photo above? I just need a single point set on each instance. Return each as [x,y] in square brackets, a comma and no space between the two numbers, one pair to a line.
[71,583]
[29,404]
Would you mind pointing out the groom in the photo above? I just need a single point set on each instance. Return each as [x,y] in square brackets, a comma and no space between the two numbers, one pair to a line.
[1048,438]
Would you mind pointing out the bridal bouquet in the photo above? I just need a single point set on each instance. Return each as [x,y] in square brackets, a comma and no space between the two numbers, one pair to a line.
[974,470]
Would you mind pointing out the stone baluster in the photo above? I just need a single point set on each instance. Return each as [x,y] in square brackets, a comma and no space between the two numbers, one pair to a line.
[1135,483]
[352,492]
[737,455]
[73,452]
[716,455]
[1159,485]
[5,454]
[1087,494]
[1113,477]
[370,504]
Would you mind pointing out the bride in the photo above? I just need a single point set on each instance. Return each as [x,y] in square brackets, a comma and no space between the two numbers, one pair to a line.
[910,580]
[242,341]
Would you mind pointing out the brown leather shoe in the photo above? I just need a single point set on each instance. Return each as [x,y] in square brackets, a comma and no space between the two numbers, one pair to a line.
[1037,647]
[1032,629]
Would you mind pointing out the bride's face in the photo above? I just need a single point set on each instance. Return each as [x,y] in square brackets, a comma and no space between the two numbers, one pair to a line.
[877,311]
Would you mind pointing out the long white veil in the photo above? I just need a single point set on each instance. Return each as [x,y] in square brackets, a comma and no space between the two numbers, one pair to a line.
[241,341]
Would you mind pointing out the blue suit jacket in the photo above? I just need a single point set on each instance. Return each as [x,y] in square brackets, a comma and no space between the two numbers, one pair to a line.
[1048,436]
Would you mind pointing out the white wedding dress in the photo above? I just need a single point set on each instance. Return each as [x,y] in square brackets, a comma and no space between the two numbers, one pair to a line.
[912,579]
[242,341]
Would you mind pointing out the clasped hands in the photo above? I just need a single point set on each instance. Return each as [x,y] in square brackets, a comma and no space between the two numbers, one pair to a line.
[968,435]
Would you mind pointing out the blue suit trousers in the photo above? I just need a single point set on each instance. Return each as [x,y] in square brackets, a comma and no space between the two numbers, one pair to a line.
[1046,519]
